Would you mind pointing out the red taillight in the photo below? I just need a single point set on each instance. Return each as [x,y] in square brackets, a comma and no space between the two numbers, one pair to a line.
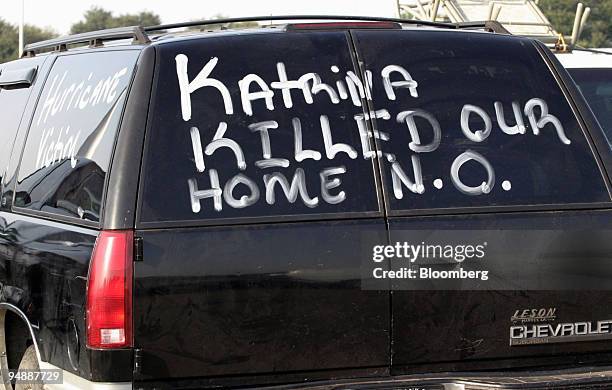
[109,291]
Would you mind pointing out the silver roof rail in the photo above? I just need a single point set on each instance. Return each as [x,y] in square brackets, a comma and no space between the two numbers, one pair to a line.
[93,38]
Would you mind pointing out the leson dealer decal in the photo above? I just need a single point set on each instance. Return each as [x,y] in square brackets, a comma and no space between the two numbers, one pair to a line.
[537,326]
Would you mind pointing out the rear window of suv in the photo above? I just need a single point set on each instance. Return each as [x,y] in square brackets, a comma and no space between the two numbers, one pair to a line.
[71,138]
[286,124]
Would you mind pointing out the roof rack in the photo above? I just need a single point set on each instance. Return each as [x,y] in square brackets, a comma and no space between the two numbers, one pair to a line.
[139,34]
[295,17]
[489,25]
[93,38]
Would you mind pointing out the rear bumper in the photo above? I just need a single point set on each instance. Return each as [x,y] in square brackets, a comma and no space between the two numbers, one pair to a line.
[71,381]
[582,378]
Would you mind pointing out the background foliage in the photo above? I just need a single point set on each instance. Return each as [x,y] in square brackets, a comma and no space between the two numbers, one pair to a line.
[598,29]
[98,19]
[9,38]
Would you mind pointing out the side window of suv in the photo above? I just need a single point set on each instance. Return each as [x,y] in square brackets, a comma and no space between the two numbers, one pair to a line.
[71,138]
[471,120]
[596,86]
[249,126]
[12,105]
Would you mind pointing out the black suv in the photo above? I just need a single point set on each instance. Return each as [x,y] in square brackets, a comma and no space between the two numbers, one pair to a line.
[193,209]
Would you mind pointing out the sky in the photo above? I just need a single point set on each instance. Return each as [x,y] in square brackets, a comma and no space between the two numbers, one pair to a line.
[61,14]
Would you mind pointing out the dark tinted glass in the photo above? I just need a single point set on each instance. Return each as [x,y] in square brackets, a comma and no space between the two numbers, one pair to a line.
[596,86]
[227,141]
[474,119]
[12,105]
[70,142]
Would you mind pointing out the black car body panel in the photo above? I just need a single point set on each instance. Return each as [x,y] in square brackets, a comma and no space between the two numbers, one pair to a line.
[474,326]
[215,316]
[45,272]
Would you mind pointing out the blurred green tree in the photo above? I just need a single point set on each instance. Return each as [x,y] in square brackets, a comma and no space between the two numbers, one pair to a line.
[9,38]
[97,18]
[598,29]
